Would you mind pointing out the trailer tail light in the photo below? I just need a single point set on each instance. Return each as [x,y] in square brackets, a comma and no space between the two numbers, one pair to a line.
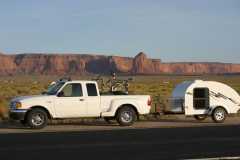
[149,102]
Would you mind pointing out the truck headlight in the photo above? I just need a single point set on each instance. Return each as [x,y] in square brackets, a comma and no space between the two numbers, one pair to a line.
[18,105]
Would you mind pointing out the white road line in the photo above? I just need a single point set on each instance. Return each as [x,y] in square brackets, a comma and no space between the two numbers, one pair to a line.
[217,158]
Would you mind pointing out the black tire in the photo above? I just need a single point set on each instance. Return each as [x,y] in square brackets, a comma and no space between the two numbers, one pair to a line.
[219,115]
[126,116]
[238,112]
[23,122]
[37,118]
[200,117]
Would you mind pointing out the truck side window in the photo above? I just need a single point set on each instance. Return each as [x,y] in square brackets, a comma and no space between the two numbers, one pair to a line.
[91,89]
[72,90]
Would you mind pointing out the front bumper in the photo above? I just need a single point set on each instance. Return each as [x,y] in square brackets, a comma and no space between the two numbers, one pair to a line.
[17,114]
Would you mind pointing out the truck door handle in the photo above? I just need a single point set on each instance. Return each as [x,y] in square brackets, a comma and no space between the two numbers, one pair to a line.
[81,99]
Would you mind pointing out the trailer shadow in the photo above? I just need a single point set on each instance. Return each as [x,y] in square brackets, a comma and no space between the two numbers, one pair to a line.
[181,120]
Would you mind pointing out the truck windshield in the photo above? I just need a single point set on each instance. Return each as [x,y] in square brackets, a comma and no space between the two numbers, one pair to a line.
[52,90]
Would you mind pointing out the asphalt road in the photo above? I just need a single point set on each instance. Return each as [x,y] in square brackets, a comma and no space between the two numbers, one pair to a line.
[101,125]
[150,143]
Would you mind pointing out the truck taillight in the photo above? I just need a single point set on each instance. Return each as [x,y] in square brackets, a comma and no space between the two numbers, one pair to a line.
[149,102]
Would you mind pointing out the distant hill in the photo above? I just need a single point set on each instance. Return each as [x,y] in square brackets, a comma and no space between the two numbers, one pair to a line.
[80,64]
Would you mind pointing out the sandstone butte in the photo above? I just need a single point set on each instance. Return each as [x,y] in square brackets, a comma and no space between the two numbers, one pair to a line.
[81,64]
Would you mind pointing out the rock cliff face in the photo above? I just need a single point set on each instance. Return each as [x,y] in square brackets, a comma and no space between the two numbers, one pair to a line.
[61,64]
[142,65]
[7,65]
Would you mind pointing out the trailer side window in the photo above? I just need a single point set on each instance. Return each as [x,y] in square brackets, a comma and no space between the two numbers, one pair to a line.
[201,98]
[91,89]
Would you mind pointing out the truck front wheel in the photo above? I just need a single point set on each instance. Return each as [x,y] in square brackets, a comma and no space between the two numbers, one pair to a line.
[126,116]
[37,118]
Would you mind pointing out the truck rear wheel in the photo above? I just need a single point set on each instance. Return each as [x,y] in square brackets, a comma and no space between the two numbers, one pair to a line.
[126,116]
[37,118]
[219,115]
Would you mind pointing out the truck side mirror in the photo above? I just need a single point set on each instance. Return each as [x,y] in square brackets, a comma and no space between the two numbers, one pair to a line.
[60,94]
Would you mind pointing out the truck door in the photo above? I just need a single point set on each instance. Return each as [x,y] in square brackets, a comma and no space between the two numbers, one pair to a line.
[93,100]
[70,102]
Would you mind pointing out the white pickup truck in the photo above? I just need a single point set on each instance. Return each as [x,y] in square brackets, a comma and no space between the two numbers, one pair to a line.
[77,99]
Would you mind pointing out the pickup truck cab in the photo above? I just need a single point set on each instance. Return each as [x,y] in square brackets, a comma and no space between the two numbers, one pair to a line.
[77,99]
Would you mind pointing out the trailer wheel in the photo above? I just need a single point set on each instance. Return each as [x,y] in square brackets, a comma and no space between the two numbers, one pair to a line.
[126,116]
[37,118]
[238,112]
[200,117]
[219,115]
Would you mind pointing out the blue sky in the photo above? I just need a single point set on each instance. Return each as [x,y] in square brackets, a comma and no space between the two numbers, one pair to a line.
[173,30]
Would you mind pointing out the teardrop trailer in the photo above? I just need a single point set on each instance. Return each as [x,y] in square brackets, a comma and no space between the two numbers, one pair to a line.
[202,99]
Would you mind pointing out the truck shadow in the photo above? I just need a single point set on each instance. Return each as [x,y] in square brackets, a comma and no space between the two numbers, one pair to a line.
[85,123]
[98,123]
[11,125]
[17,125]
